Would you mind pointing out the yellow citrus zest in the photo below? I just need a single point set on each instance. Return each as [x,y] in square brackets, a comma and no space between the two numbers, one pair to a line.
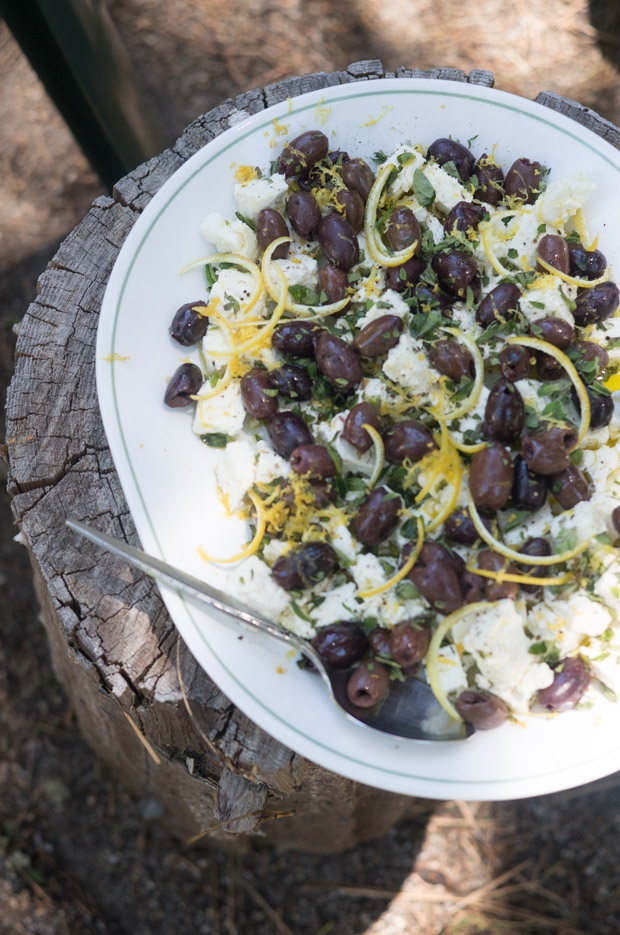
[573,280]
[454,479]
[252,546]
[402,572]
[379,453]
[268,267]
[269,324]
[238,260]
[501,576]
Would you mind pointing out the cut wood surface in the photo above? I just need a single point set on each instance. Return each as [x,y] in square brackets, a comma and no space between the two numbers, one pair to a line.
[145,706]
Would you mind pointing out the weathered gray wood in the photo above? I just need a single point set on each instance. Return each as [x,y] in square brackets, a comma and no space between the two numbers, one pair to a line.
[581,114]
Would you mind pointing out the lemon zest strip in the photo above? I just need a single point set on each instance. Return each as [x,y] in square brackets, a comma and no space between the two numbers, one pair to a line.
[402,572]
[379,453]
[252,546]
[373,243]
[520,579]
[267,329]
[573,280]
[455,481]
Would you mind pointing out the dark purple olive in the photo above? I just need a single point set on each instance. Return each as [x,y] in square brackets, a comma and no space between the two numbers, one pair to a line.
[353,205]
[529,490]
[304,214]
[452,359]
[403,229]
[444,150]
[361,414]
[288,431]
[455,271]
[269,226]
[546,451]
[481,709]
[553,250]
[524,180]
[377,517]
[407,439]
[571,678]
[514,361]
[185,383]
[409,643]
[341,644]
[292,381]
[582,353]
[499,304]
[379,336]
[338,362]
[400,278]
[472,587]
[615,518]
[338,241]
[490,477]
[596,304]
[555,331]
[586,264]
[435,578]
[304,566]
[358,176]
[497,590]
[569,487]
[504,413]
[313,460]
[601,404]
[463,216]
[548,368]
[536,547]
[189,326]
[257,394]
[490,181]
[302,153]
[459,527]
[333,282]
[427,297]
[295,338]
[368,684]
[379,640]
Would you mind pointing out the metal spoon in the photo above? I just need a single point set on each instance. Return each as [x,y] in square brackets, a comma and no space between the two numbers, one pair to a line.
[410,709]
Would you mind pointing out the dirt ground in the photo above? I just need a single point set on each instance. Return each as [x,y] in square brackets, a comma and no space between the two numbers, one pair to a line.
[78,854]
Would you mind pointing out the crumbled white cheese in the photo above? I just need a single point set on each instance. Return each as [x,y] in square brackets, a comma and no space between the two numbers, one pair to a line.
[567,620]
[229,236]
[214,340]
[222,413]
[610,333]
[353,460]
[450,672]
[588,519]
[339,604]
[300,270]
[604,663]
[233,289]
[548,300]
[368,573]
[254,196]
[252,584]
[410,161]
[563,197]
[407,364]
[342,540]
[390,303]
[235,471]
[274,549]
[607,588]
[268,464]
[448,190]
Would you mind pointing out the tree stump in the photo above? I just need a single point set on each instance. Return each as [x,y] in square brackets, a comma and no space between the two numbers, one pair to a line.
[149,712]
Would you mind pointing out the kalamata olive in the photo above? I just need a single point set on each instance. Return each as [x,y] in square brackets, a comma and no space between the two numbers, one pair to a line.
[269,226]
[408,643]
[333,282]
[403,229]
[497,590]
[338,362]
[534,546]
[548,368]
[546,451]
[427,297]
[304,566]
[459,527]
[378,336]
[569,487]
[586,264]
[377,517]
[341,644]
[288,431]
[444,150]
[185,383]
[615,518]
[379,640]
[555,331]
[455,271]
[463,216]
[302,153]
[406,275]
[436,579]
[571,678]
[499,304]
[529,490]
[313,460]
[490,477]
[436,552]
[504,413]
[596,304]
[582,353]
[368,684]
[514,361]
[553,250]
[490,181]
[295,338]
[291,380]
[452,359]
[472,587]
[601,404]
[481,709]
[257,394]
[361,414]
[358,176]
[304,214]
[189,326]
[338,241]
[353,205]
[407,439]
[524,180]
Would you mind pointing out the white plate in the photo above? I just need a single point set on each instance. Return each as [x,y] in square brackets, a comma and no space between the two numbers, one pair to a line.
[167,474]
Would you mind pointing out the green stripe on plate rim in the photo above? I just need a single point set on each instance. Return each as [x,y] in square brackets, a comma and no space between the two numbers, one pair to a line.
[203,165]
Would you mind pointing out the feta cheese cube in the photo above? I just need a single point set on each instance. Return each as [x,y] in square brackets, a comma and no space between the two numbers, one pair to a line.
[448,190]
[410,160]
[233,290]
[300,270]
[222,413]
[235,471]
[390,303]
[254,196]
[407,365]
[229,236]
[252,584]
[563,197]
[450,672]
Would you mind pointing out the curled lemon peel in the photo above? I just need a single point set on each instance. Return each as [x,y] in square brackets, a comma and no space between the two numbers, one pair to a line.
[268,267]
[379,449]
[468,404]
[402,572]
[573,280]
[501,576]
[581,227]
[455,481]
[373,243]
[252,547]
[237,259]
[486,235]
[467,449]
[584,401]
